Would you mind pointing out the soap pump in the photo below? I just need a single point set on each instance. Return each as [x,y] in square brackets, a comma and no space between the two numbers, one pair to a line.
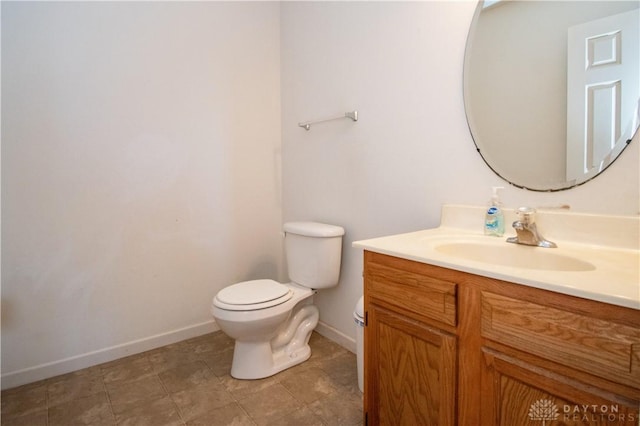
[494,219]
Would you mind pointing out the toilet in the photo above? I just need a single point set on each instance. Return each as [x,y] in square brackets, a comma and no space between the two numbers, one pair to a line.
[271,322]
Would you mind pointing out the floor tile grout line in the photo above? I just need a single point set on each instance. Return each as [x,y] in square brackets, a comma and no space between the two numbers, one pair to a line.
[304,404]
[104,385]
[168,395]
[235,399]
[46,399]
[244,410]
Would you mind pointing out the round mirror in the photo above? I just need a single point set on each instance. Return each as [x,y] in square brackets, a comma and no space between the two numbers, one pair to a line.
[552,88]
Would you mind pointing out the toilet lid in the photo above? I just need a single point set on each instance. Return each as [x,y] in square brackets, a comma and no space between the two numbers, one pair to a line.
[254,292]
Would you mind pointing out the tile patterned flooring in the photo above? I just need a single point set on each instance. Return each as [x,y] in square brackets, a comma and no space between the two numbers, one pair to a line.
[188,383]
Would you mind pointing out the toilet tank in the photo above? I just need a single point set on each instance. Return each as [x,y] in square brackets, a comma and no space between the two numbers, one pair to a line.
[313,251]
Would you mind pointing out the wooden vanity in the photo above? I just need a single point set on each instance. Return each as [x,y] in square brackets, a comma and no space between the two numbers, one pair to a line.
[444,347]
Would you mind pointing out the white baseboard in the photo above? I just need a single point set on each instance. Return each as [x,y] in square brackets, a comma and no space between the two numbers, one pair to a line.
[78,362]
[337,336]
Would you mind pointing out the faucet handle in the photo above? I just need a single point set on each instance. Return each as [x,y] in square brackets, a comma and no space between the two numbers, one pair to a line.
[526,214]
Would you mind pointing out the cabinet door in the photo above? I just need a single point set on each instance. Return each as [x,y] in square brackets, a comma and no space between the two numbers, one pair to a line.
[518,393]
[410,371]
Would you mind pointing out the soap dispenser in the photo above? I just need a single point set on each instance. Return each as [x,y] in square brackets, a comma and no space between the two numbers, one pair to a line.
[494,219]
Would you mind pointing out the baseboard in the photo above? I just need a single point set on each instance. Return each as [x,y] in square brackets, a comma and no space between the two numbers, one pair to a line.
[337,336]
[78,362]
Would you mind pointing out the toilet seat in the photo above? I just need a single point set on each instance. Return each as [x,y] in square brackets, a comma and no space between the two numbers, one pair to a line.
[252,295]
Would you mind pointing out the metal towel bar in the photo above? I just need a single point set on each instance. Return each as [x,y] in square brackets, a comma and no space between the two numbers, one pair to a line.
[350,114]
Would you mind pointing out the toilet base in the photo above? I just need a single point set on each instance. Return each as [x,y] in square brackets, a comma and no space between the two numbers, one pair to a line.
[259,359]
[256,361]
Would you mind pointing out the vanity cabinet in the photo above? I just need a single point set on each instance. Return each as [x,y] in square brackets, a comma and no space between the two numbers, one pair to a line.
[411,346]
[444,347]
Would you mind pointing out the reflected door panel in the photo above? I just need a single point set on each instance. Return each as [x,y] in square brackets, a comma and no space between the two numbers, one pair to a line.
[603,89]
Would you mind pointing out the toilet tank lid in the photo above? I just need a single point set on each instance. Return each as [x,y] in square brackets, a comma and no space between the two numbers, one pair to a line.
[313,229]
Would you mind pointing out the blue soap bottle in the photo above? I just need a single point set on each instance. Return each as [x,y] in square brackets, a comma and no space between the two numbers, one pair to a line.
[494,219]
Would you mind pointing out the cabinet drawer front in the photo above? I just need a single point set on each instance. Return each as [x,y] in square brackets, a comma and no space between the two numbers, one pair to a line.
[426,296]
[598,347]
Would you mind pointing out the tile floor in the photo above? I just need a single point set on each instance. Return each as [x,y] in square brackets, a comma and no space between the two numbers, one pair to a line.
[188,383]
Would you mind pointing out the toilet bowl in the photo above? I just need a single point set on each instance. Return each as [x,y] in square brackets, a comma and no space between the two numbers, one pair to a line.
[254,327]
[272,322]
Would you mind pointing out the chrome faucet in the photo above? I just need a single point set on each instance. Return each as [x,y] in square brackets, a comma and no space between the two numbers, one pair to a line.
[527,230]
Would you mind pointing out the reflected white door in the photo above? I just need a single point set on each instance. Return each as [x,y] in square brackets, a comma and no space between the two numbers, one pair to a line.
[603,91]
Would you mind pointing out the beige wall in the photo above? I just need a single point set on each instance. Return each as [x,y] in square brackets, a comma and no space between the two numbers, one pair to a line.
[140,173]
[400,65]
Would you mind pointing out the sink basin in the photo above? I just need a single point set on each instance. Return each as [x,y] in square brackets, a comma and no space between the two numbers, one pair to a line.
[516,256]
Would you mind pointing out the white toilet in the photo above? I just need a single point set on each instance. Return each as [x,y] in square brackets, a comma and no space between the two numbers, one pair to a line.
[272,322]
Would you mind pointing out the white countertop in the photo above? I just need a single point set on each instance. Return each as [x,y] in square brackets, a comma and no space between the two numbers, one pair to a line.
[614,254]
